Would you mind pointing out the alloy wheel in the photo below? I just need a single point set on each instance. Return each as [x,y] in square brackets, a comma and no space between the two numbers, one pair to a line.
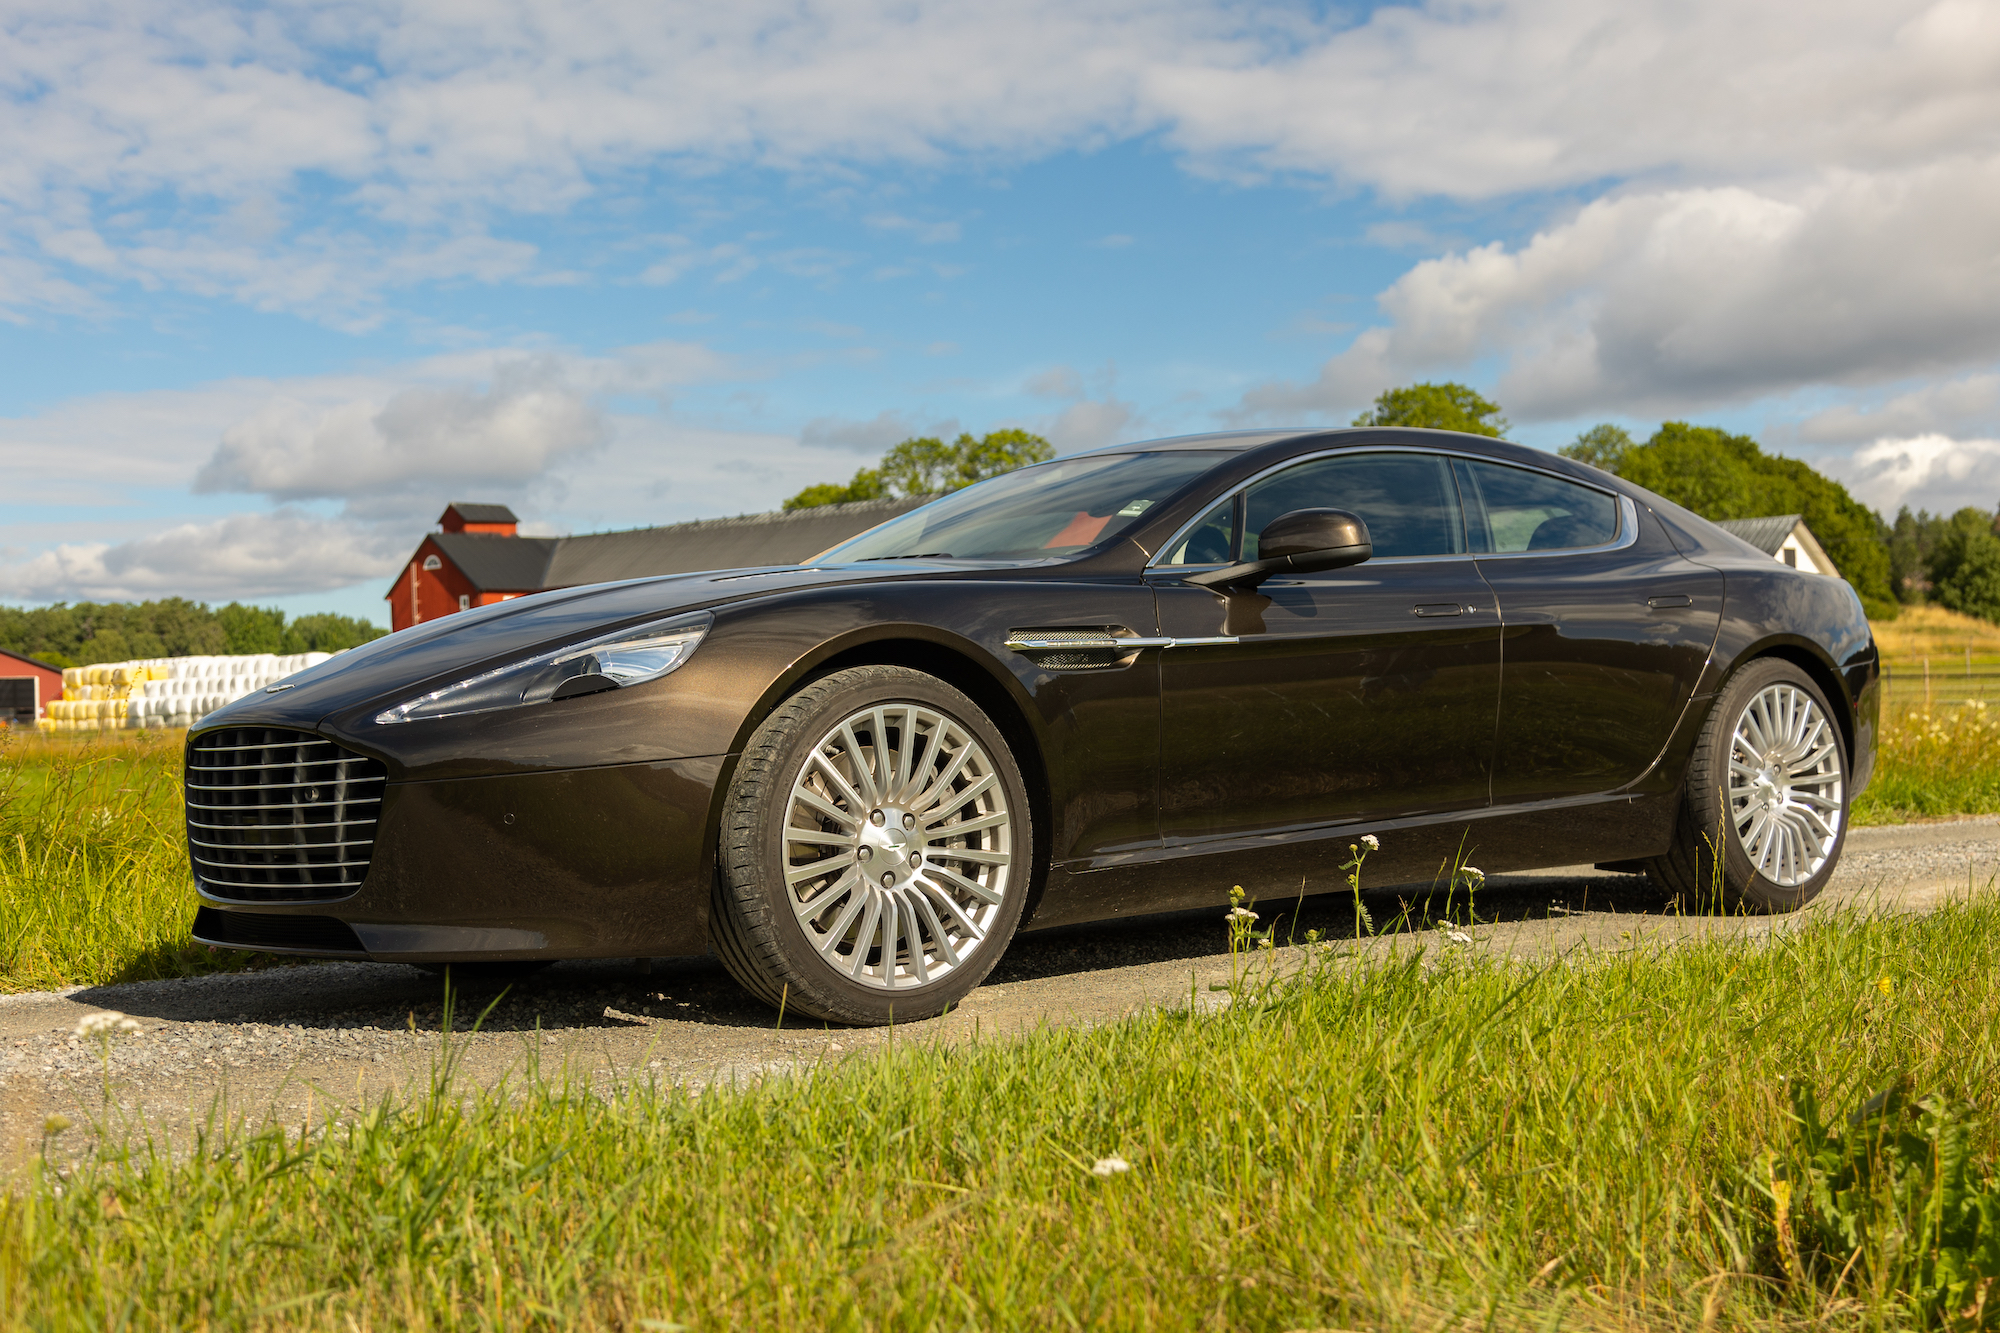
[1785,784]
[898,846]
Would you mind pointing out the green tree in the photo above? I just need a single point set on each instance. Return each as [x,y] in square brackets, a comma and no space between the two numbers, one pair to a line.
[325,632]
[927,465]
[1965,565]
[1723,476]
[867,485]
[252,629]
[1602,446]
[1436,406]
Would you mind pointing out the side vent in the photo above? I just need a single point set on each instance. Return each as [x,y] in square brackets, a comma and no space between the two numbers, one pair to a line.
[1076,649]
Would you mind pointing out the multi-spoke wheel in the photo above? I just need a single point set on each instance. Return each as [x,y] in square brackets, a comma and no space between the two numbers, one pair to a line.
[876,850]
[1767,787]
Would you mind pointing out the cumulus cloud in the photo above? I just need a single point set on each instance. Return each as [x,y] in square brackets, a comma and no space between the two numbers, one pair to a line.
[243,555]
[311,154]
[1948,407]
[1933,472]
[421,439]
[1665,297]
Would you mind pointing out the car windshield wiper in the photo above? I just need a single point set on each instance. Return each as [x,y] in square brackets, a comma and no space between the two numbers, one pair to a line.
[913,555]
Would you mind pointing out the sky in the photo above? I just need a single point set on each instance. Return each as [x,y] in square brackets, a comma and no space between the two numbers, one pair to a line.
[279,281]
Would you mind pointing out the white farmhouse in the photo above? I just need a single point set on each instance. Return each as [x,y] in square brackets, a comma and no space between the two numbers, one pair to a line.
[1783,537]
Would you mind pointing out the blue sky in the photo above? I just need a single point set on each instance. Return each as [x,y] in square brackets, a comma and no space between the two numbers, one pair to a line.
[278,281]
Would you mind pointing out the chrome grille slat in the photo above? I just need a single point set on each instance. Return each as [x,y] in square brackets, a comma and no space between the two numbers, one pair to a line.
[328,841]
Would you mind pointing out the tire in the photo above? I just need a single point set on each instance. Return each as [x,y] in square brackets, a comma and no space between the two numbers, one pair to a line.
[940,810]
[1772,755]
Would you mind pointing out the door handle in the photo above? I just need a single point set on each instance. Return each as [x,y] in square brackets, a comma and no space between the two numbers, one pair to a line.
[1438,609]
[1668,601]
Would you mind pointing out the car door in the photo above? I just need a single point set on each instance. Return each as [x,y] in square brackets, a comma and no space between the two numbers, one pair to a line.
[1606,629]
[1362,694]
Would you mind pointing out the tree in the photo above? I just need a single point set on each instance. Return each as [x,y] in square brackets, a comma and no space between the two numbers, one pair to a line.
[926,465]
[85,633]
[1438,407]
[1722,476]
[1965,566]
[867,485]
[1602,446]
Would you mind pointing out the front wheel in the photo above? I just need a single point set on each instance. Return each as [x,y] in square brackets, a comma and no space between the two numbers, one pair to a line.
[1767,786]
[875,850]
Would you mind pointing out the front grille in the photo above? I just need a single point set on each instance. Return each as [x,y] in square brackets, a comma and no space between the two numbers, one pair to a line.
[252,930]
[279,816]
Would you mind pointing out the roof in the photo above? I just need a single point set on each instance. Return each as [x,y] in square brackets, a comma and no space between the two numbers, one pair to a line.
[31,661]
[1766,534]
[496,563]
[473,513]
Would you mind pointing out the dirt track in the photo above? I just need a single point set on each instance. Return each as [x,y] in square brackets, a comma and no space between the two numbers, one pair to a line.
[291,1042]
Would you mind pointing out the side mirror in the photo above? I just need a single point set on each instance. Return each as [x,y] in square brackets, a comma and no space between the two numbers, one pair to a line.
[1303,541]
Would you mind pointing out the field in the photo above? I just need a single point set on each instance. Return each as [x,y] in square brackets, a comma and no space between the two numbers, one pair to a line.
[1634,1141]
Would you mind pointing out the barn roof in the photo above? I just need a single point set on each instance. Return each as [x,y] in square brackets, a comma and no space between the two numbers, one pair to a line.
[1766,534]
[475,513]
[496,563]
[31,661]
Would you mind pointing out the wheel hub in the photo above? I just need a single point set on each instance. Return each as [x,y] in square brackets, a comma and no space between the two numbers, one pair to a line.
[889,845]
[1786,787]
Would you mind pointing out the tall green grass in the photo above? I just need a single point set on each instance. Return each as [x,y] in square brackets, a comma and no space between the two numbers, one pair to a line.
[1934,762]
[1426,1142]
[94,883]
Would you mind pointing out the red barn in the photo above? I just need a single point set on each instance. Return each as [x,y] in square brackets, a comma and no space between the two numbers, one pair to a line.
[26,685]
[477,557]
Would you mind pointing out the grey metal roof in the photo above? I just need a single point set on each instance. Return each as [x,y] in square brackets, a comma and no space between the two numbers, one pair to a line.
[495,563]
[1766,534]
[473,513]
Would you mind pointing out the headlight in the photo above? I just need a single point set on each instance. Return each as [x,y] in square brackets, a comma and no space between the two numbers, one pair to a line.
[626,657]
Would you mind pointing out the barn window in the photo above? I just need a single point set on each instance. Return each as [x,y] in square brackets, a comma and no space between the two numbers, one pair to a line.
[432,562]
[464,602]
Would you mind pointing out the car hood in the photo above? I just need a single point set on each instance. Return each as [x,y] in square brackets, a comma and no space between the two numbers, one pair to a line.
[438,651]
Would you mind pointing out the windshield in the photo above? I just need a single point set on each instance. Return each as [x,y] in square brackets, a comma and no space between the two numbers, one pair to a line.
[1048,511]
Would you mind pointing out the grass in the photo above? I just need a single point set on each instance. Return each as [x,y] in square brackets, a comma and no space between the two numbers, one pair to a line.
[1944,637]
[94,883]
[1431,1141]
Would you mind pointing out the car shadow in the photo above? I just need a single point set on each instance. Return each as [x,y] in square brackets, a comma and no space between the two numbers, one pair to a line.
[615,994]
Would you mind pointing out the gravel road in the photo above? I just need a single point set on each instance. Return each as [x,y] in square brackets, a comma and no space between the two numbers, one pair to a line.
[295,1042]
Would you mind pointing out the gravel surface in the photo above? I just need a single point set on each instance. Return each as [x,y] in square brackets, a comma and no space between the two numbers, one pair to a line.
[299,1041]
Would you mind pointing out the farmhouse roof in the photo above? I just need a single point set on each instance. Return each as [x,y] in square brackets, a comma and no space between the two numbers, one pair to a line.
[1766,534]
[496,563]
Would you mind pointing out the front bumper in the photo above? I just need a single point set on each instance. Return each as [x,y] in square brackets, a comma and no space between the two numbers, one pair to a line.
[584,863]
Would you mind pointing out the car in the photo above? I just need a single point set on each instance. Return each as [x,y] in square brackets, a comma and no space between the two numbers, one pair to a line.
[1117,683]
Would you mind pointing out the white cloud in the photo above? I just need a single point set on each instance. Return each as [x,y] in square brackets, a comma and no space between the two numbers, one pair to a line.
[873,436]
[1949,407]
[1655,299]
[309,155]
[1933,472]
[419,440]
[241,556]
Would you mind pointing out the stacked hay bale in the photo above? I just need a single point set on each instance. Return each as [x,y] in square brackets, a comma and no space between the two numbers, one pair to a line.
[164,692]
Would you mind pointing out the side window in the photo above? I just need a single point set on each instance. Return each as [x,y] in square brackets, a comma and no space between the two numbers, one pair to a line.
[1407,500]
[1513,509]
[1211,541]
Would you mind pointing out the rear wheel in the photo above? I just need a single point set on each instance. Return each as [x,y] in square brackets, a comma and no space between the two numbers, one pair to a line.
[1767,787]
[875,850]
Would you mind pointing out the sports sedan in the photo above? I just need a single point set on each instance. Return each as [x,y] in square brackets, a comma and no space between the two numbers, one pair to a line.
[1116,683]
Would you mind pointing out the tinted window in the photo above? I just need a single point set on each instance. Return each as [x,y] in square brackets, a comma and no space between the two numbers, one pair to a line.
[1513,509]
[1209,542]
[1407,500]
[1052,510]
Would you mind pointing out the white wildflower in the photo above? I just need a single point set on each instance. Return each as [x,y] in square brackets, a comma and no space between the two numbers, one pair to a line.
[108,1023]
[1266,943]
[1371,842]
[1240,914]
[1110,1166]
[1472,875]
[1458,937]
